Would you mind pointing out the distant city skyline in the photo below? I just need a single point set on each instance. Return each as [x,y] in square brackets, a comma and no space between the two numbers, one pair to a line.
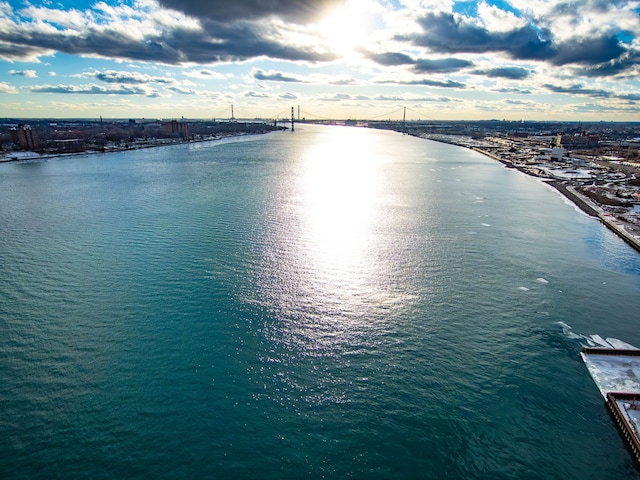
[359,59]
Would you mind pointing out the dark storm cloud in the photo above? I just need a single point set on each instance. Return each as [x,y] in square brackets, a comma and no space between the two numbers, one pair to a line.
[513,73]
[445,33]
[299,11]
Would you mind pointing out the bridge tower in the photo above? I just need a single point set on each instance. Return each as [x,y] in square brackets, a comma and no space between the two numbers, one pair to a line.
[292,118]
[404,121]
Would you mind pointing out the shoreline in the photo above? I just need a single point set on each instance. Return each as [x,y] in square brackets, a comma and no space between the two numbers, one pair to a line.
[134,146]
[570,193]
[582,202]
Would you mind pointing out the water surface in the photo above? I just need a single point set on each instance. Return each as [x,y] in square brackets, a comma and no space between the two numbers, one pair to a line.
[333,302]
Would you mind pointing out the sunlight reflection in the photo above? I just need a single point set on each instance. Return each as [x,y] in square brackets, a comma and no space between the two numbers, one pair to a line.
[340,194]
[331,270]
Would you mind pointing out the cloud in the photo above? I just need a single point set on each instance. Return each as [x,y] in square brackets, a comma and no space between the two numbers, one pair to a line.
[390,98]
[112,76]
[578,89]
[589,51]
[446,33]
[12,50]
[94,90]
[288,96]
[425,82]
[338,97]
[513,73]
[517,91]
[183,91]
[516,102]
[451,34]
[204,73]
[390,58]
[6,88]
[632,97]
[257,95]
[420,65]
[344,81]
[440,65]
[24,73]
[277,77]
[149,34]
[628,64]
[299,11]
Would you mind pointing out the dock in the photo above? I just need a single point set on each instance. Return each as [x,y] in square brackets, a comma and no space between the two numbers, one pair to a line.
[625,410]
[616,372]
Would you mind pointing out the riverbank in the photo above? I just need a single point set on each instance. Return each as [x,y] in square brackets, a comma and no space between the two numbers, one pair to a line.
[623,229]
[592,209]
[135,145]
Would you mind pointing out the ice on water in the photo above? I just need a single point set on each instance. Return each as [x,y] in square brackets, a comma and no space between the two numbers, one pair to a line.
[613,373]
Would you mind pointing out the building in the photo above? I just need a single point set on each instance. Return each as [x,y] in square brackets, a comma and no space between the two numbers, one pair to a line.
[557,153]
[177,128]
[580,141]
[24,137]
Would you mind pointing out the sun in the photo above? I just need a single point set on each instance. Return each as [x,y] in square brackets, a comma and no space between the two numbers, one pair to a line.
[343,29]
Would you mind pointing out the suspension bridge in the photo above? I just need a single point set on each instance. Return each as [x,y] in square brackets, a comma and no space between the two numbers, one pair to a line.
[292,115]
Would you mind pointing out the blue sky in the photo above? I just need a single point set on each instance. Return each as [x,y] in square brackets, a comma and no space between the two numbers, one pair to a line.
[364,59]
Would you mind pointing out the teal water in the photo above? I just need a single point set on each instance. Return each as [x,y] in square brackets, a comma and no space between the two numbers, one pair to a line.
[328,303]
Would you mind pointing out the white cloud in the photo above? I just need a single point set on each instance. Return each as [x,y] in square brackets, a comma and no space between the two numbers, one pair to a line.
[498,20]
[206,74]
[24,73]
[71,19]
[92,89]
[114,76]
[6,88]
